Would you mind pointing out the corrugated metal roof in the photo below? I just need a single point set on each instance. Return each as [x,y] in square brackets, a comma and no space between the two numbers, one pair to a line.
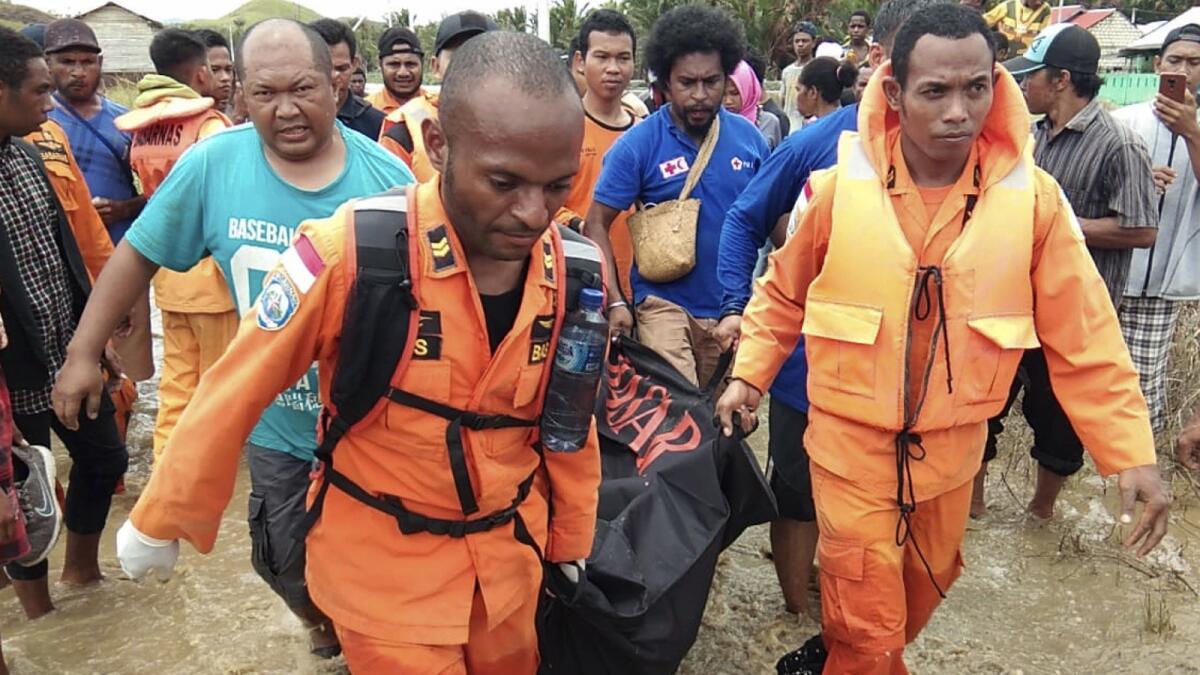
[1076,14]
[148,20]
[1091,17]
[1152,41]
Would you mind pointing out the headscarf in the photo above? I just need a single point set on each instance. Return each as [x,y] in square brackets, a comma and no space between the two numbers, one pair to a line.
[747,85]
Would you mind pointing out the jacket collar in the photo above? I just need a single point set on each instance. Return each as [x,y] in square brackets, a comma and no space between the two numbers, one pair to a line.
[1082,119]
[353,108]
[1000,145]
[447,257]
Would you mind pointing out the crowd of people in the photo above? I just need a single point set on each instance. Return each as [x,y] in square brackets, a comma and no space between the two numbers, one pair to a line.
[894,249]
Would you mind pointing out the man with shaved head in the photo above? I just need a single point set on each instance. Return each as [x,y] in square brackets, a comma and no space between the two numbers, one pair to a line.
[450,454]
[240,197]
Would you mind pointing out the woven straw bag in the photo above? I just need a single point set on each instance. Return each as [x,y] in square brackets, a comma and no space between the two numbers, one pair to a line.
[664,235]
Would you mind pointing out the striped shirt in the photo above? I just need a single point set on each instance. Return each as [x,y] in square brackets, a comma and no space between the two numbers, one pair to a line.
[1104,170]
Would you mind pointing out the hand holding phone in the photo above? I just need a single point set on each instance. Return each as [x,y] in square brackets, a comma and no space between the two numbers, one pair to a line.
[1172,85]
[1175,106]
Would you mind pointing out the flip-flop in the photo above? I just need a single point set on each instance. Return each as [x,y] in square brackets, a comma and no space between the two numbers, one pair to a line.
[809,659]
[326,651]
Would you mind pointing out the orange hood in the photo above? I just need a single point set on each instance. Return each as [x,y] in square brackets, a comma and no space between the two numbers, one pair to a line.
[1005,137]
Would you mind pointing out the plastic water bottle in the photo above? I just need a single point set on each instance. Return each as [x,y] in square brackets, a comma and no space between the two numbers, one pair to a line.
[571,394]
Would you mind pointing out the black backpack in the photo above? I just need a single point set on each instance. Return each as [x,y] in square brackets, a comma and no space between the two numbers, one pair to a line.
[380,327]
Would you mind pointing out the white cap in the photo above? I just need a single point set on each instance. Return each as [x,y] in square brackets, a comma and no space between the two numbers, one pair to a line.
[831,49]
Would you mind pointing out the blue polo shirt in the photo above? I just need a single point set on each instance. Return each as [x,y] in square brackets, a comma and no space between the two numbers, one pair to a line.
[771,194]
[651,162]
[105,174]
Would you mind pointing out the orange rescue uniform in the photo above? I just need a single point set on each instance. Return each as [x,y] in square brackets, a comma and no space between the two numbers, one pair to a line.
[598,137]
[385,102]
[198,315]
[95,245]
[401,134]
[401,603]
[915,306]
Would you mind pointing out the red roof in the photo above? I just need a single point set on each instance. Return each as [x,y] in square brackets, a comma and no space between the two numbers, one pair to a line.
[1061,14]
[1076,14]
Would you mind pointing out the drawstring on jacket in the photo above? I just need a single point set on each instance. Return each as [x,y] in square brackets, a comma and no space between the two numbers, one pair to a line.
[908,444]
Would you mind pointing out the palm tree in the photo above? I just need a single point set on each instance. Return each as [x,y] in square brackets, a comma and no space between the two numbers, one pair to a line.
[566,16]
[515,18]
[643,13]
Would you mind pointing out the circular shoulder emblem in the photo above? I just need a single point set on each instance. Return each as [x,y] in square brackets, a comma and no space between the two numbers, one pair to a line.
[278,303]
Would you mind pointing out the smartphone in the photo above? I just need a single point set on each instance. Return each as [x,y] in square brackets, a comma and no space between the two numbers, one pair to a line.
[1172,86]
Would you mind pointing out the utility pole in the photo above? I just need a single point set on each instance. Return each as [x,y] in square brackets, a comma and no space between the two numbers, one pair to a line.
[543,19]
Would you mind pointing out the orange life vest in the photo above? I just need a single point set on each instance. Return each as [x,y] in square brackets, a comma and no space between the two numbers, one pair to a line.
[401,135]
[162,132]
[856,322]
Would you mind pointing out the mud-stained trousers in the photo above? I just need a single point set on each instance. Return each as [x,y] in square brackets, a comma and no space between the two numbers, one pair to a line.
[877,596]
[509,648]
[192,342]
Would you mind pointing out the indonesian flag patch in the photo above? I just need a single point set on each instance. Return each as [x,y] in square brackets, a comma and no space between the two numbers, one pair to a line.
[302,264]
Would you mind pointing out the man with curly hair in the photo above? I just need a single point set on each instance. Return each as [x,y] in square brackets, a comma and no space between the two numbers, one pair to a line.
[693,49]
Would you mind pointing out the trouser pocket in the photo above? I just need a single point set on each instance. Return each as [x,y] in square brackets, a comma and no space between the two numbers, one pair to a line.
[260,557]
[862,596]
[276,556]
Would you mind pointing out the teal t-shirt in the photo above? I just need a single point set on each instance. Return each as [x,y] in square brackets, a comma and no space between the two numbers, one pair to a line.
[223,199]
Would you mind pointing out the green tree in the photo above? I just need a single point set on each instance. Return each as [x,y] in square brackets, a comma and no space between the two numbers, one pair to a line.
[398,18]
[515,18]
[643,13]
[565,18]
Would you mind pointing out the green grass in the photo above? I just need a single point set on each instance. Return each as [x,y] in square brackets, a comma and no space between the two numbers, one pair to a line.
[122,91]
[17,16]
[256,10]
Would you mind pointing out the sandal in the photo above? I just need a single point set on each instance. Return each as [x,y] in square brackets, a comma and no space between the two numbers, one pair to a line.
[807,660]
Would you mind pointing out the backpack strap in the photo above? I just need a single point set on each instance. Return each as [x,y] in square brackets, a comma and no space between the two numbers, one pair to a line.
[401,135]
[584,266]
[379,327]
[381,316]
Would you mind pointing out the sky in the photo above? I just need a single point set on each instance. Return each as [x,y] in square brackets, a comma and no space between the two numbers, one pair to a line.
[422,10]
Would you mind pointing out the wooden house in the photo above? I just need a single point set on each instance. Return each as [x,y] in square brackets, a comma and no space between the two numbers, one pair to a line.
[1112,29]
[124,37]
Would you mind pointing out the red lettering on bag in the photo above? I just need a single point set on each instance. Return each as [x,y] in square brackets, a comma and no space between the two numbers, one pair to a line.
[646,413]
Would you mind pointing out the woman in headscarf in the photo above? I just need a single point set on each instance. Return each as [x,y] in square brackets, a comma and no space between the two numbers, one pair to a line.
[743,96]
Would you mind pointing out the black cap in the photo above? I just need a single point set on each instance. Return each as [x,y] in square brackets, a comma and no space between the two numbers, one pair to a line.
[65,34]
[462,25]
[807,27]
[36,32]
[399,40]
[1064,46]
[1189,32]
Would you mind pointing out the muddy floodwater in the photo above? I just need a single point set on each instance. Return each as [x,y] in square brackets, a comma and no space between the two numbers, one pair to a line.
[1056,598]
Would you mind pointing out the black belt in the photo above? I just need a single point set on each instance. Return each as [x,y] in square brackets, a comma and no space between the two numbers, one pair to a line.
[410,522]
